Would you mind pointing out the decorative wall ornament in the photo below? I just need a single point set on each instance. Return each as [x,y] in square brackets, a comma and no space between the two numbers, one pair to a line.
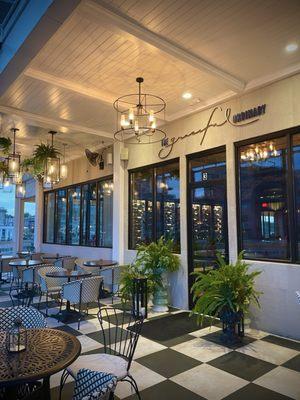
[169,143]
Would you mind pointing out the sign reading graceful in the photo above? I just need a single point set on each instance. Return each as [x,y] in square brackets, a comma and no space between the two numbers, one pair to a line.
[236,121]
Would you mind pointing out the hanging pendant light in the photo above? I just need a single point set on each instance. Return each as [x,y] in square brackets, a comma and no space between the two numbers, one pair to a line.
[20,191]
[64,167]
[52,166]
[14,159]
[137,117]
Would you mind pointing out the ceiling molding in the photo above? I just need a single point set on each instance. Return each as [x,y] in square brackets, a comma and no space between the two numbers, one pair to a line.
[102,13]
[69,85]
[60,124]
[203,106]
[271,78]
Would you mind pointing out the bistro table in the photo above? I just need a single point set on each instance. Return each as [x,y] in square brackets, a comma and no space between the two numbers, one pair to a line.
[25,263]
[104,264]
[48,352]
[67,315]
[27,254]
[53,256]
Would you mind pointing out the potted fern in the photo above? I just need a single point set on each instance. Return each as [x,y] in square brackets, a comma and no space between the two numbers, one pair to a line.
[226,293]
[157,257]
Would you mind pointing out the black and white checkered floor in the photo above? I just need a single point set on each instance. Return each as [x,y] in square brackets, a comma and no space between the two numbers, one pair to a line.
[196,365]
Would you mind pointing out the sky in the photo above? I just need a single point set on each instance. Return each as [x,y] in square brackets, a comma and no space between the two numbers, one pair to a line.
[7,199]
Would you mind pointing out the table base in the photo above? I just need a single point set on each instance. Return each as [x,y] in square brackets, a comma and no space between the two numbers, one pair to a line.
[67,316]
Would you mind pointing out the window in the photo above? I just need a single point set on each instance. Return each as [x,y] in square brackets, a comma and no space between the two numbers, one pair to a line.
[49,220]
[269,197]
[61,216]
[89,207]
[73,213]
[28,226]
[7,217]
[155,204]
[105,213]
[74,200]
[207,209]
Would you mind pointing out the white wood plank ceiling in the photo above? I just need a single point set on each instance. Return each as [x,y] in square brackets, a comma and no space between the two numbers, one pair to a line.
[215,49]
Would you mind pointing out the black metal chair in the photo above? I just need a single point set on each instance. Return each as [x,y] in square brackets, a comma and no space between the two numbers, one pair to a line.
[120,332]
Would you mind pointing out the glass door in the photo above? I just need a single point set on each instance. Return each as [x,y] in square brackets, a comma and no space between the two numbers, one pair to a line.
[207,210]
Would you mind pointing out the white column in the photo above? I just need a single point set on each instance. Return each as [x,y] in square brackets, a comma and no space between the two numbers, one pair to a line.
[118,250]
[18,225]
[39,212]
[231,202]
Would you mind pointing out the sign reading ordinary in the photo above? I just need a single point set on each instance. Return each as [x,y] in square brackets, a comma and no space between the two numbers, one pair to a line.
[236,120]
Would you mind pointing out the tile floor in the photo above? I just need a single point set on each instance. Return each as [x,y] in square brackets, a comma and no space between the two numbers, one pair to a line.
[196,365]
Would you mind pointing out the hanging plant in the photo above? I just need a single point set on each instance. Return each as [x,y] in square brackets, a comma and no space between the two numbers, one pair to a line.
[5,145]
[33,167]
[44,151]
[3,168]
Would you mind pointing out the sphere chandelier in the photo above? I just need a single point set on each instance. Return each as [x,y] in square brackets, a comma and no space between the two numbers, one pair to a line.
[137,116]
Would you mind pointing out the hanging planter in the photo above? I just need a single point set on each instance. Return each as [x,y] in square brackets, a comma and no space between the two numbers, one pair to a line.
[5,146]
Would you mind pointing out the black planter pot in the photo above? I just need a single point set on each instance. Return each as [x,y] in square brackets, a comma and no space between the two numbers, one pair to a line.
[233,326]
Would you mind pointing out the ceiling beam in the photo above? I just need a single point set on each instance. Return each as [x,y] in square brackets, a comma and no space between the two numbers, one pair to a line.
[59,123]
[104,14]
[70,85]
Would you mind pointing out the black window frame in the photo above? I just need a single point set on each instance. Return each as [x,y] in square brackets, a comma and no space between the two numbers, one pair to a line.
[154,213]
[290,193]
[67,188]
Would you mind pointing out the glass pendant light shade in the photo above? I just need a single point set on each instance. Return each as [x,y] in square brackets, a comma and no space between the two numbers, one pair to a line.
[64,167]
[64,171]
[13,164]
[20,191]
[18,178]
[52,174]
[14,159]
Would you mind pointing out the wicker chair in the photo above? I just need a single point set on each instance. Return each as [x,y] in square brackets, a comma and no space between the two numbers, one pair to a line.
[49,286]
[120,340]
[69,263]
[92,385]
[82,292]
[30,317]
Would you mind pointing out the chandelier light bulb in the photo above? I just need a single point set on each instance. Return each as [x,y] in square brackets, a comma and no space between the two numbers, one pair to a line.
[123,120]
[151,116]
[136,126]
[153,124]
[131,115]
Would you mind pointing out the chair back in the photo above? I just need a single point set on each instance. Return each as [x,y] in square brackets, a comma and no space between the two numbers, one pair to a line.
[48,283]
[94,385]
[30,317]
[122,334]
[90,289]
[69,263]
[28,275]
[17,271]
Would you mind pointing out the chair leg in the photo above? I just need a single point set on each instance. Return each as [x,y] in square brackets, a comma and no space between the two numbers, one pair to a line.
[133,383]
[79,317]
[40,299]
[63,379]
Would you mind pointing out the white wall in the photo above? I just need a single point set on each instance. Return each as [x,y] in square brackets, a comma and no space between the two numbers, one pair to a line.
[280,312]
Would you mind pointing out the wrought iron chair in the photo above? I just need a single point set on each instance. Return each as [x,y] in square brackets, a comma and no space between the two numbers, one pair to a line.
[49,286]
[30,317]
[20,293]
[92,385]
[120,339]
[82,292]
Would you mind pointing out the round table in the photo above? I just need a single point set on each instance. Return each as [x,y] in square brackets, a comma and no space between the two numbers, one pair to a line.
[101,264]
[67,315]
[25,263]
[53,256]
[48,352]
